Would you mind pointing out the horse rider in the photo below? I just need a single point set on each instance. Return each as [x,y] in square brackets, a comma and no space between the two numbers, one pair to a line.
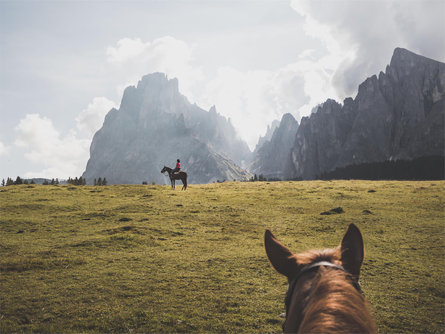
[178,166]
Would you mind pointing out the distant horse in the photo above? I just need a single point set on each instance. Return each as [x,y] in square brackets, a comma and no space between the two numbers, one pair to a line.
[176,176]
[323,295]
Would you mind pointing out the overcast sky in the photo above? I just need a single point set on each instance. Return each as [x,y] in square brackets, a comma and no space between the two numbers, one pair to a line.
[65,64]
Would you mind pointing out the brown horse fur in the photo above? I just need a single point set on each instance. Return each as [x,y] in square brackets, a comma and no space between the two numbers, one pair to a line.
[324,301]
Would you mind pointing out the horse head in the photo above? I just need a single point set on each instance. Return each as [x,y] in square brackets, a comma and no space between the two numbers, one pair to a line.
[164,169]
[323,286]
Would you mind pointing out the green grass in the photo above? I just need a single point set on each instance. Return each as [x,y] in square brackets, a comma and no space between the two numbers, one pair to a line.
[149,259]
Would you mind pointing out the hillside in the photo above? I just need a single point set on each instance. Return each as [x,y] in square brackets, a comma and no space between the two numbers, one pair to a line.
[128,258]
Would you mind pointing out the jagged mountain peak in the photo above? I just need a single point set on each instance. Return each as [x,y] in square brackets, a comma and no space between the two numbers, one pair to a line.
[287,118]
[287,123]
[401,53]
[272,156]
[405,64]
[158,81]
[268,135]
[406,57]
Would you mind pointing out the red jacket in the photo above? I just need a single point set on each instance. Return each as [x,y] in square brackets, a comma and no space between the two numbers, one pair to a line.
[178,165]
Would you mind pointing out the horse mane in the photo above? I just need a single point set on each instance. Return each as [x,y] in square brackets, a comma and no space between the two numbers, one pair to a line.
[330,255]
[333,304]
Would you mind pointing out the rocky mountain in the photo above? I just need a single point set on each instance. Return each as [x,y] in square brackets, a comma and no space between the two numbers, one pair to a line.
[397,115]
[269,132]
[153,127]
[272,156]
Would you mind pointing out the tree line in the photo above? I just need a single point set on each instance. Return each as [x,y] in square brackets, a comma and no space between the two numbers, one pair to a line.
[77,181]
[18,180]
[261,177]
[81,181]
[423,168]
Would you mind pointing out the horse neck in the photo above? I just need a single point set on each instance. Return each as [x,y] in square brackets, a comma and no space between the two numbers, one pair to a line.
[328,302]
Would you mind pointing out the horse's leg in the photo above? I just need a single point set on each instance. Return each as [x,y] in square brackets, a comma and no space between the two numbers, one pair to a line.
[172,181]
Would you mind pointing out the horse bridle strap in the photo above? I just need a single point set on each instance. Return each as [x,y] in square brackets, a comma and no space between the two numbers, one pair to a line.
[313,267]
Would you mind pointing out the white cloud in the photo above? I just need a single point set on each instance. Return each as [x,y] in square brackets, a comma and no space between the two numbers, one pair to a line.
[91,119]
[61,156]
[360,36]
[133,58]
[126,49]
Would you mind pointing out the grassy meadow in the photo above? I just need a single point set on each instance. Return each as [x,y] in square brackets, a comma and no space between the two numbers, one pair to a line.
[135,258]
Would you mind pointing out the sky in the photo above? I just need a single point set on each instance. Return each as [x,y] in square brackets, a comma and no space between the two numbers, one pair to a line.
[65,64]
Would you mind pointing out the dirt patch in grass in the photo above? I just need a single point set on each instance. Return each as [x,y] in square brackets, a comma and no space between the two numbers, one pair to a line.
[333,211]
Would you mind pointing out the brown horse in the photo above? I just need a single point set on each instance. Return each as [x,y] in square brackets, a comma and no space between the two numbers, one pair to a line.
[324,295]
[176,176]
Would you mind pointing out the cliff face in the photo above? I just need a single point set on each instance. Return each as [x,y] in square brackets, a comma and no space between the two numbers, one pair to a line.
[397,115]
[268,136]
[272,157]
[153,127]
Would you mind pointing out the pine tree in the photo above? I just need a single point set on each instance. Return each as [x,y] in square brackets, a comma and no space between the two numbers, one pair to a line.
[104,182]
[3,183]
[95,182]
[18,180]
[99,181]
[9,182]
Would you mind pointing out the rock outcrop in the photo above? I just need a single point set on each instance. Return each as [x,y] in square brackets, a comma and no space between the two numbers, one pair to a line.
[398,115]
[269,132]
[153,127]
[272,157]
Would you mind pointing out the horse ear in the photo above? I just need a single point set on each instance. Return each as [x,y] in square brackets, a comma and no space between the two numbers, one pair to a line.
[279,256]
[352,250]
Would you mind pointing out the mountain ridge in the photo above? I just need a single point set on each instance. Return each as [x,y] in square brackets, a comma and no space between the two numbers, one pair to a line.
[398,114]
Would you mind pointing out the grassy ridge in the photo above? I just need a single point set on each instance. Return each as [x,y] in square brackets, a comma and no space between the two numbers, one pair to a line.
[148,259]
